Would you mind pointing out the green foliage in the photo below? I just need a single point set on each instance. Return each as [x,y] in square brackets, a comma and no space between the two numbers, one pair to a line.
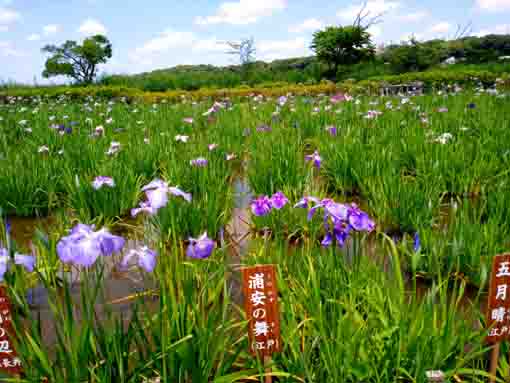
[193,77]
[418,56]
[415,56]
[77,61]
[344,45]
[347,314]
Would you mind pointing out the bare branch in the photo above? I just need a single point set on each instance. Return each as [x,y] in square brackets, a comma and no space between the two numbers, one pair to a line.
[364,19]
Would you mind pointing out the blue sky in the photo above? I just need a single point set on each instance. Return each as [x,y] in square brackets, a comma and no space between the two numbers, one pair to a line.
[155,34]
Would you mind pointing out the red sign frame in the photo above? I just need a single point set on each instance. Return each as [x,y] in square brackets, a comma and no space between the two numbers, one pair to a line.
[9,361]
[498,307]
[261,305]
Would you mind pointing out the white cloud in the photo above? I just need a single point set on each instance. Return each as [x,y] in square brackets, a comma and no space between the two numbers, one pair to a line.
[312,24]
[50,29]
[375,7]
[211,45]
[502,29]
[242,12]
[8,16]
[279,49]
[164,43]
[494,5]
[413,16]
[167,40]
[8,50]
[440,28]
[34,37]
[376,31]
[4,28]
[92,27]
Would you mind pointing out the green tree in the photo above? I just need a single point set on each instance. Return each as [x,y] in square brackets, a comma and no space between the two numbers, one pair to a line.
[415,56]
[342,45]
[77,61]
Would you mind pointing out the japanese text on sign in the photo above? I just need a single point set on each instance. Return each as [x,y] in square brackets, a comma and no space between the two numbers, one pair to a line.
[498,310]
[261,305]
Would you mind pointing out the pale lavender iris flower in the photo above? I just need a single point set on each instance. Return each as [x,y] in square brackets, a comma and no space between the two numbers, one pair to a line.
[27,261]
[101,181]
[83,246]
[4,261]
[114,148]
[157,197]
[145,258]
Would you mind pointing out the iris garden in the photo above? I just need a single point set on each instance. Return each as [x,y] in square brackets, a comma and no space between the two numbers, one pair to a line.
[381,214]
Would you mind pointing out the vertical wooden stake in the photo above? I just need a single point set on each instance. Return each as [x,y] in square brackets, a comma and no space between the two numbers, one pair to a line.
[494,362]
[267,362]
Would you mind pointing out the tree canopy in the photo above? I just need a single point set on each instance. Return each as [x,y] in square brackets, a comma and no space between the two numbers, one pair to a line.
[79,62]
[342,45]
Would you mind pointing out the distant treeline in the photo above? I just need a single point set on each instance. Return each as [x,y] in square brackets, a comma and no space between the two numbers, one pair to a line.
[411,56]
[304,70]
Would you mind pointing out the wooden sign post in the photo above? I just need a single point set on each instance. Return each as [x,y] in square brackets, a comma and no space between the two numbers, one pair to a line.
[261,305]
[9,361]
[498,308]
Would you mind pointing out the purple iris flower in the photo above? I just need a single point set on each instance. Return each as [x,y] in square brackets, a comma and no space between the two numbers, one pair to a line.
[261,206]
[338,211]
[83,245]
[201,247]
[145,257]
[341,217]
[199,162]
[332,130]
[101,181]
[7,226]
[341,232]
[416,242]
[360,220]
[305,201]
[340,97]
[316,158]
[328,240]
[442,110]
[278,200]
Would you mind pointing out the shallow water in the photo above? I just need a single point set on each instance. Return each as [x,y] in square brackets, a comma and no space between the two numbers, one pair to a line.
[23,229]
[238,230]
